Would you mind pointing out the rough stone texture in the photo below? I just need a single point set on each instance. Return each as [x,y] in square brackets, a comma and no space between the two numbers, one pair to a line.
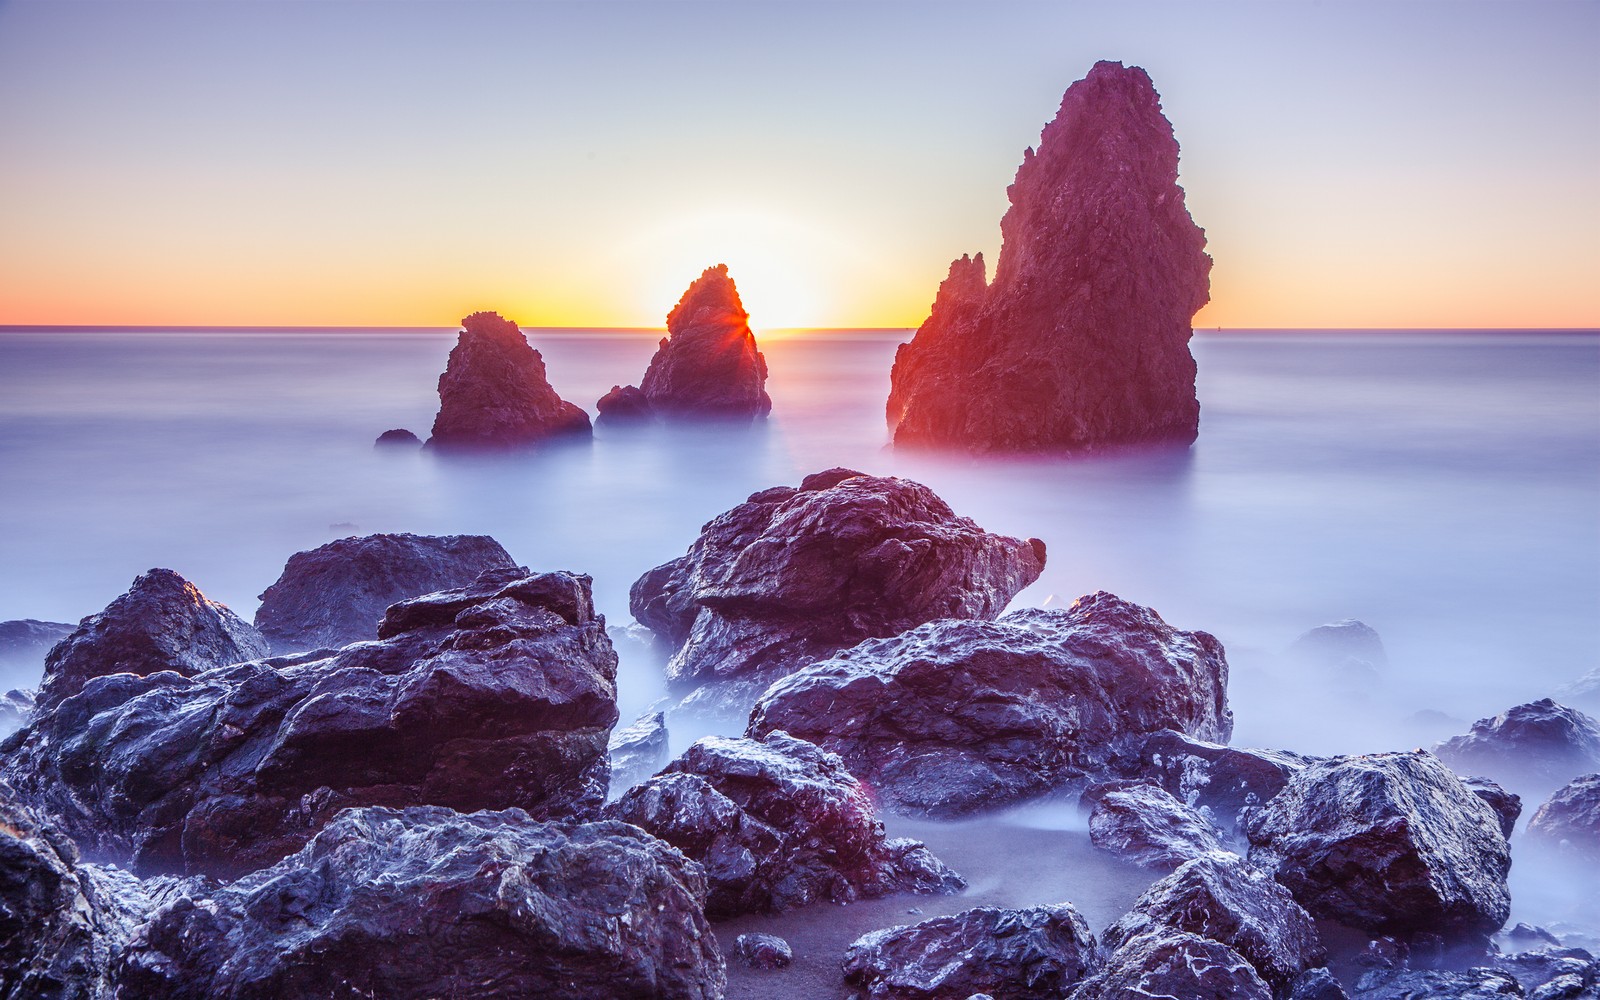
[497,695]
[637,751]
[777,823]
[960,716]
[792,576]
[708,365]
[1389,843]
[1166,962]
[1041,951]
[623,404]
[24,642]
[1218,780]
[1533,748]
[399,438]
[1435,984]
[494,392]
[1507,806]
[1317,984]
[162,623]
[16,708]
[1082,339]
[1146,825]
[1554,973]
[1221,897]
[1569,822]
[427,902]
[334,595]
[763,951]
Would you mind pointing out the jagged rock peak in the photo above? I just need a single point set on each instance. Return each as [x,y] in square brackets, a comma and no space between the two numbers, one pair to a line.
[494,391]
[708,363]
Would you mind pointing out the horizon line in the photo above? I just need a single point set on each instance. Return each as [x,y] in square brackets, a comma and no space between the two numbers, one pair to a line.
[369,327]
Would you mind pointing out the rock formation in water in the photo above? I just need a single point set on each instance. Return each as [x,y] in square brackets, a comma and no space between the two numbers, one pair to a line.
[707,364]
[492,696]
[1569,823]
[335,594]
[1166,962]
[398,439]
[792,576]
[494,392]
[1146,825]
[1534,748]
[1081,341]
[954,717]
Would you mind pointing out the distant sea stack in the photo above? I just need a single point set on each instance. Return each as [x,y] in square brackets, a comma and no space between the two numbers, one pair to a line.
[707,365]
[494,392]
[1081,341]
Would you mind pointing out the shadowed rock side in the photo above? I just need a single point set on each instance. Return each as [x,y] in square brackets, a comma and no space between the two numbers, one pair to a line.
[792,576]
[637,751]
[960,716]
[334,595]
[707,364]
[777,823]
[1082,339]
[1569,823]
[494,392]
[497,695]
[427,902]
[1533,748]
[162,623]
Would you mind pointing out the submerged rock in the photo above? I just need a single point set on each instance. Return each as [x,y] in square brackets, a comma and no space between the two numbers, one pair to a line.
[494,392]
[1167,962]
[707,365]
[398,438]
[1007,954]
[497,695]
[954,717]
[637,751]
[1388,843]
[427,902]
[624,404]
[334,595]
[1082,339]
[1146,825]
[792,576]
[1569,823]
[25,641]
[777,823]
[763,951]
[162,623]
[1536,747]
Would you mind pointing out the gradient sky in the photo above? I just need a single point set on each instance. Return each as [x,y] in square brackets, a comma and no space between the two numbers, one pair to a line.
[1354,164]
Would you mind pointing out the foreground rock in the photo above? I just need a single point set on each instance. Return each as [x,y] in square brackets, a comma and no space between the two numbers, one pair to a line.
[496,695]
[1166,962]
[1221,897]
[1082,339]
[1220,780]
[1346,657]
[637,751]
[162,623]
[959,716]
[1388,843]
[1041,951]
[1569,823]
[777,824]
[494,392]
[1437,984]
[426,902]
[1535,747]
[334,595]
[24,642]
[792,576]
[1146,825]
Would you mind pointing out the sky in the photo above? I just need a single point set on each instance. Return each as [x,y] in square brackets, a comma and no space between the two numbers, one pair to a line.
[1354,164]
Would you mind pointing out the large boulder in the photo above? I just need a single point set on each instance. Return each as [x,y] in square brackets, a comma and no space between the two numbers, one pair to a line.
[494,392]
[1146,825]
[1007,954]
[497,695]
[24,642]
[1387,843]
[792,576]
[777,823]
[1533,748]
[163,623]
[1569,822]
[1082,340]
[1167,962]
[335,594]
[1219,780]
[960,716]
[427,902]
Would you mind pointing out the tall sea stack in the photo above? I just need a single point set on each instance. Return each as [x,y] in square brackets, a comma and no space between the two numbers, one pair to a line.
[494,392]
[1081,341]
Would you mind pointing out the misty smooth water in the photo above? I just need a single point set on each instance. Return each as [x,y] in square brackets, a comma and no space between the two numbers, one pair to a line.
[1444,488]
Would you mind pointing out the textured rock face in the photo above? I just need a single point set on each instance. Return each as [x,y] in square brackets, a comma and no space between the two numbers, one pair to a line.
[16,708]
[959,716]
[427,902]
[1219,779]
[497,695]
[637,751]
[1166,962]
[1082,339]
[1507,806]
[1389,843]
[1434,984]
[494,392]
[1221,897]
[708,364]
[791,576]
[24,642]
[763,951]
[1008,954]
[777,823]
[334,595]
[162,623]
[1570,821]
[1146,825]
[1535,747]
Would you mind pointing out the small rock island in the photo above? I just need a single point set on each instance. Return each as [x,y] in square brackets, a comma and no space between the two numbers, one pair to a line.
[494,392]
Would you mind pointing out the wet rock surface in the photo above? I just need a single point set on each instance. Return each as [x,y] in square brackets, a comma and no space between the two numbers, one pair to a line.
[707,365]
[1554,973]
[494,392]
[1219,779]
[162,623]
[763,951]
[777,823]
[637,751]
[1535,747]
[1389,843]
[1082,339]
[1166,962]
[1569,822]
[1146,825]
[427,902]
[497,695]
[959,716]
[791,576]
[1435,984]
[1007,954]
[335,594]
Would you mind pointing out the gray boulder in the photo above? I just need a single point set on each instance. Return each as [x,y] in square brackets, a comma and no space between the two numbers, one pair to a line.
[1146,825]
[1569,822]
[1166,962]
[1533,748]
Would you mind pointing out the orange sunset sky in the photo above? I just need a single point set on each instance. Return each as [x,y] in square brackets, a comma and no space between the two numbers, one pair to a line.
[1354,164]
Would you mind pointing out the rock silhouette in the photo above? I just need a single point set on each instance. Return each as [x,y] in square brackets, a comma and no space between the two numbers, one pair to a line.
[494,392]
[1081,341]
